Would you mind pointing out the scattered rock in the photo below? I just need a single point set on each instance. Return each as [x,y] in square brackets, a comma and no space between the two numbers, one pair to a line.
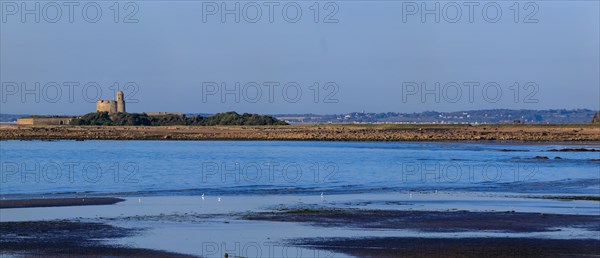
[573,150]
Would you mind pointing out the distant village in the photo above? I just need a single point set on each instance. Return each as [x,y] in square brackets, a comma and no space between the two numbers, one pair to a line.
[474,117]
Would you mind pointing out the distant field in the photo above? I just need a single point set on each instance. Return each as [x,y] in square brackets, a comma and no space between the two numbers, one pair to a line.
[329,132]
[468,126]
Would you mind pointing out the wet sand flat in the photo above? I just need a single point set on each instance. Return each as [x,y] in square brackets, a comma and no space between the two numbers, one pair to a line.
[457,247]
[142,226]
[432,221]
[436,222]
[69,239]
[429,132]
[57,202]
[51,237]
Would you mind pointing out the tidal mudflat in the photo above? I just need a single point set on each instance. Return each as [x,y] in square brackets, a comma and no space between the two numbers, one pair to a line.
[372,225]
[299,199]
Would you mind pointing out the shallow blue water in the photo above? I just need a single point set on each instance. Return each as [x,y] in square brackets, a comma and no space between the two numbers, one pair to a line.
[235,167]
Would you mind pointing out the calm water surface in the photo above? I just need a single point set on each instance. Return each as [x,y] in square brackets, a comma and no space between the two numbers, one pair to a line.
[268,167]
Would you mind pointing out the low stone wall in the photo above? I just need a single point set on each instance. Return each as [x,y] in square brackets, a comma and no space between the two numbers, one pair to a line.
[44,121]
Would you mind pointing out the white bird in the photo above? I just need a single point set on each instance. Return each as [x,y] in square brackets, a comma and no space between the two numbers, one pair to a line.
[322,197]
[410,195]
[203,197]
[219,199]
[139,200]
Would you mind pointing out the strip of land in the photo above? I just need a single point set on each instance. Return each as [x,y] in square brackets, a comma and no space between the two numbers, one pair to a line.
[348,132]
[69,239]
[456,247]
[57,202]
[431,221]
[79,238]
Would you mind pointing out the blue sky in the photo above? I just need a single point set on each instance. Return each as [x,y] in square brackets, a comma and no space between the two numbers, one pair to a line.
[366,58]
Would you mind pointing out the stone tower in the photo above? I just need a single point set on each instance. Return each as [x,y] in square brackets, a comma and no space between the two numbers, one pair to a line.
[120,102]
[109,106]
[112,106]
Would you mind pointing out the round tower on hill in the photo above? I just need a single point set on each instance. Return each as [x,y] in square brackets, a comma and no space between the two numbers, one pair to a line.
[120,102]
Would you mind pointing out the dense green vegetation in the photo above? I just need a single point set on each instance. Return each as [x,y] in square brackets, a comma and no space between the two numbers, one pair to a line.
[229,118]
[98,118]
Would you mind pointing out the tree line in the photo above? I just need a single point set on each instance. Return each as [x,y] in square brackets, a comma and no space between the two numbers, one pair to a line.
[228,118]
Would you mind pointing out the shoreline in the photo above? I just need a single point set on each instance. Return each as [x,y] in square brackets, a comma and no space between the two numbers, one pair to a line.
[339,226]
[460,247]
[57,202]
[48,238]
[584,133]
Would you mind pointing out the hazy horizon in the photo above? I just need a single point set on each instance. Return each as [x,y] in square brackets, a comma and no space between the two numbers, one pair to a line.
[375,56]
[322,114]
